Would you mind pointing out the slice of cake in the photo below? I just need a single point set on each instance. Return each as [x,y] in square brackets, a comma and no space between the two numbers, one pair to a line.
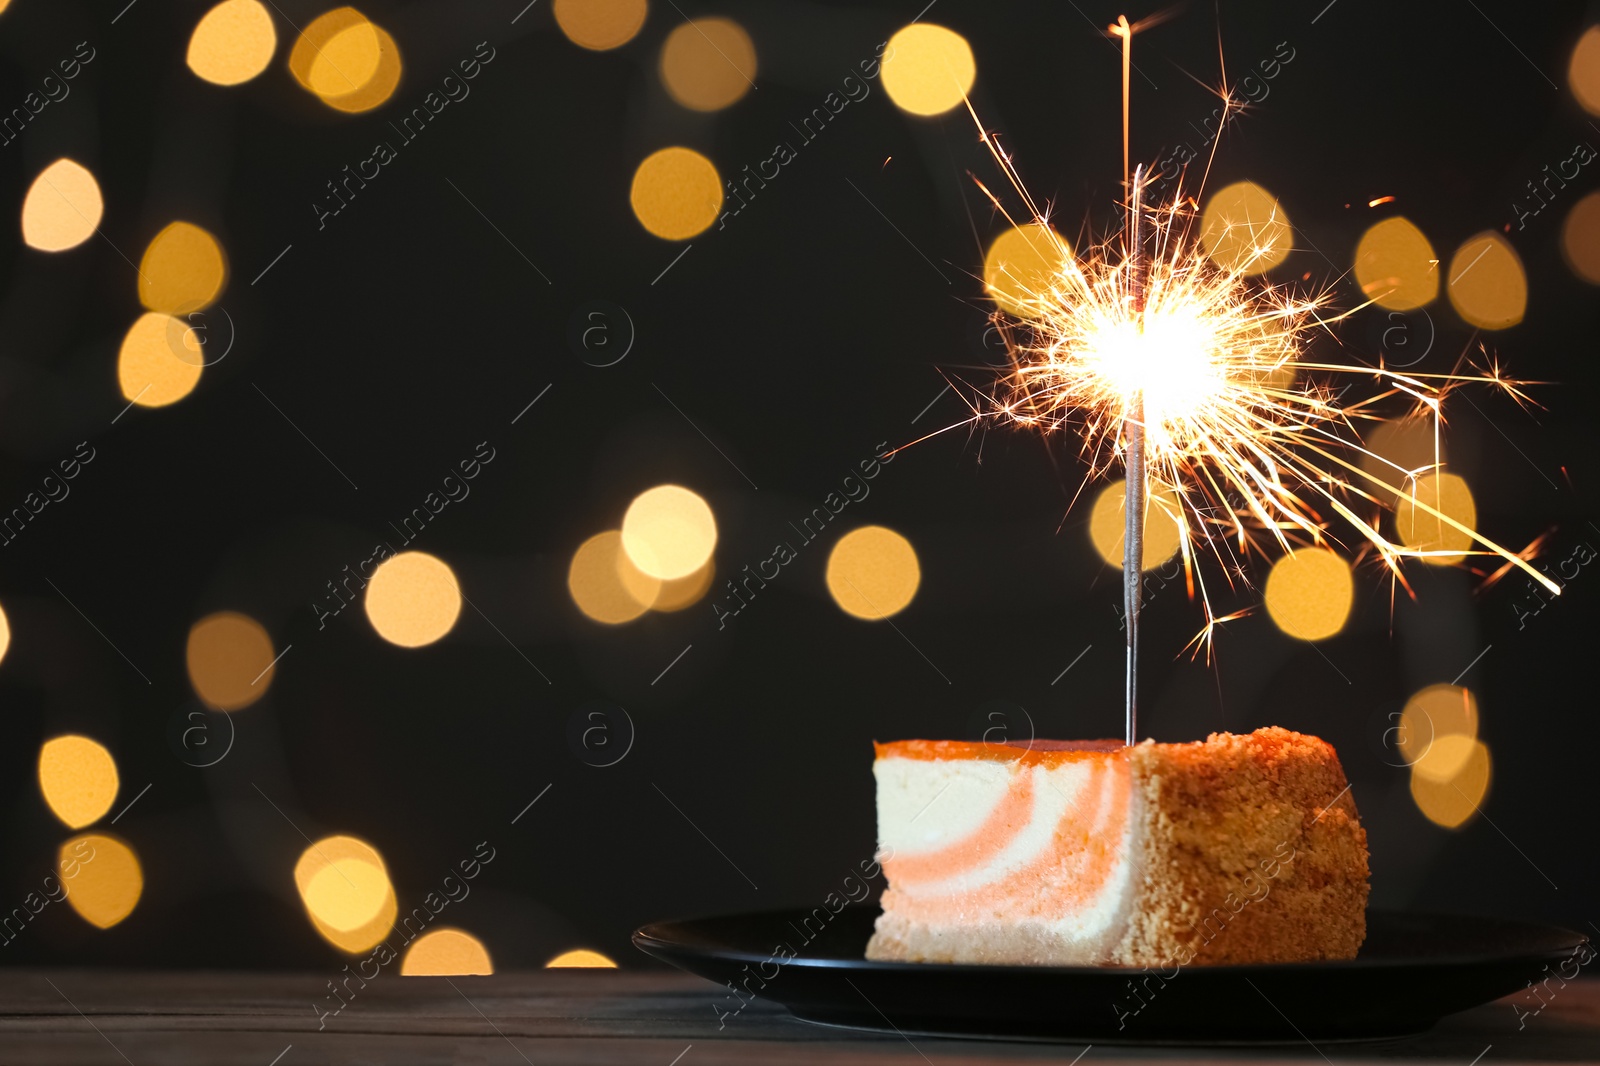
[1232,849]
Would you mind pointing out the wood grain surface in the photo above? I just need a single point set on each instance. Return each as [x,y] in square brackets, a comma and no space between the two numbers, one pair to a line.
[116,1017]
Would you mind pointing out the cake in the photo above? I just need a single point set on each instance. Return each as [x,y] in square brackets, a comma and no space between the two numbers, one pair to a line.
[1235,849]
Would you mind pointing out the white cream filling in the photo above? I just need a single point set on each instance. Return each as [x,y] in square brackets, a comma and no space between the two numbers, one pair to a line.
[925,805]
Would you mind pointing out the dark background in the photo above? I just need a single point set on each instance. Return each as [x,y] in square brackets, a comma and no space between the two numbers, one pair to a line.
[797,339]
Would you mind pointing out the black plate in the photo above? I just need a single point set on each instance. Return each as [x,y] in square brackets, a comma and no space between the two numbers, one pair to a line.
[1413,970]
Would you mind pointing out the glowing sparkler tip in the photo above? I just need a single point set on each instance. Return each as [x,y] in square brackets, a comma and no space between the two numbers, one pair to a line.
[1203,359]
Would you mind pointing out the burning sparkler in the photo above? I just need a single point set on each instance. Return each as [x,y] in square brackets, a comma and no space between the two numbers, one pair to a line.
[1183,370]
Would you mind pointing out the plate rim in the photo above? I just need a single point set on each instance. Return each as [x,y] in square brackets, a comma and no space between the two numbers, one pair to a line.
[643,936]
[1171,1043]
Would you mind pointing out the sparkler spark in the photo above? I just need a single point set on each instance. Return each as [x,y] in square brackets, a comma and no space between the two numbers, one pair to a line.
[1246,440]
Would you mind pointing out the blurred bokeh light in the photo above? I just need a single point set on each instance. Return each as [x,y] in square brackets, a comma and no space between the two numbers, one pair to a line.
[102,876]
[346,60]
[62,208]
[1396,266]
[928,69]
[313,41]
[1583,71]
[1021,263]
[1445,757]
[1580,238]
[233,42]
[347,893]
[1436,711]
[446,953]
[1448,494]
[1108,526]
[344,53]
[182,270]
[1401,449]
[676,193]
[669,532]
[683,592]
[413,599]
[160,360]
[1452,801]
[1244,228]
[344,884]
[78,779]
[605,584]
[5,634]
[1450,766]
[230,660]
[580,958]
[873,573]
[1309,593]
[377,90]
[600,25]
[1488,287]
[708,64]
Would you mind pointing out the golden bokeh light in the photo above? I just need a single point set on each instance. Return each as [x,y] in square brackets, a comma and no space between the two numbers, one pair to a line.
[347,893]
[344,884]
[1244,228]
[1401,449]
[1487,286]
[1281,378]
[684,592]
[1309,593]
[1448,494]
[102,877]
[336,53]
[413,599]
[346,60]
[160,360]
[1449,803]
[1108,526]
[873,573]
[1396,266]
[377,90]
[928,69]
[366,937]
[1020,264]
[600,25]
[78,779]
[676,193]
[1446,757]
[669,532]
[323,854]
[230,660]
[1432,713]
[1580,238]
[233,42]
[5,634]
[318,32]
[707,64]
[606,585]
[63,207]
[1583,72]
[446,953]
[182,270]
[580,958]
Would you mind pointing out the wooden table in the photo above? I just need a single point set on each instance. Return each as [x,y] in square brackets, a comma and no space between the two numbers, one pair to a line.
[115,1017]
